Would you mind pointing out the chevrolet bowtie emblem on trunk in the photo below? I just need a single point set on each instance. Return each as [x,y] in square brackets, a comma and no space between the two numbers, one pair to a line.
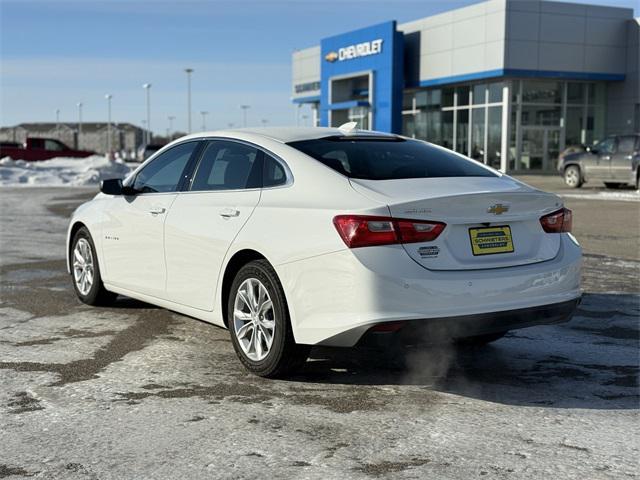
[498,209]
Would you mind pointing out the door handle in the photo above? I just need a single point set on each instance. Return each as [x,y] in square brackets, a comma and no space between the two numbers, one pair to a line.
[157,210]
[229,212]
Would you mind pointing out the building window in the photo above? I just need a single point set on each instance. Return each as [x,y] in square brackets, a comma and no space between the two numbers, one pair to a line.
[479,94]
[549,116]
[541,91]
[466,118]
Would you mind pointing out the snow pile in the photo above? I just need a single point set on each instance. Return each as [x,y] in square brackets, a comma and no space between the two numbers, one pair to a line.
[63,171]
[621,196]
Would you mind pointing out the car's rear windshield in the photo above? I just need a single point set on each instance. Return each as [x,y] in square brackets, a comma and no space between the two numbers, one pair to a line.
[388,158]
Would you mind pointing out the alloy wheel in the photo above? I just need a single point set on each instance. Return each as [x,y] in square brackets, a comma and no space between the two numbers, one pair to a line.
[83,270]
[254,321]
[571,177]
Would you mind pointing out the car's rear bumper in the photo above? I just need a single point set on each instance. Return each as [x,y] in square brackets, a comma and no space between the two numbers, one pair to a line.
[335,299]
[417,332]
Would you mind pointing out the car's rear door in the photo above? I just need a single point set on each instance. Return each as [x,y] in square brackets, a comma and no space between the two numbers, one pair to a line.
[133,232]
[204,220]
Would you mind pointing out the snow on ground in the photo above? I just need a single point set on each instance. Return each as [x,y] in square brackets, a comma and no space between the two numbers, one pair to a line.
[73,172]
[621,196]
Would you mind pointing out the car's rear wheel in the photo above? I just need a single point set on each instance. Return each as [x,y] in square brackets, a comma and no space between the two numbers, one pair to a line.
[259,324]
[85,271]
[573,177]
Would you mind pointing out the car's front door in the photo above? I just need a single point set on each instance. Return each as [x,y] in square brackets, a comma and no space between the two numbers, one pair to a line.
[598,164]
[203,221]
[133,245]
[621,159]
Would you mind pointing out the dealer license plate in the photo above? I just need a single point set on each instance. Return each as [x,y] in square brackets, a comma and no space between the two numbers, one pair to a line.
[490,240]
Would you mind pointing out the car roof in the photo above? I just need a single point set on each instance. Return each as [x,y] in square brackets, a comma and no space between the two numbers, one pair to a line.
[289,134]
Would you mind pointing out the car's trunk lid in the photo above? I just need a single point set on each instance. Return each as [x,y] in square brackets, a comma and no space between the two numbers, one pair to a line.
[471,206]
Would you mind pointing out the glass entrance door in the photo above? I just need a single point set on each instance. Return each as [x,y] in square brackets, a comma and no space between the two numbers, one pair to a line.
[361,116]
[540,147]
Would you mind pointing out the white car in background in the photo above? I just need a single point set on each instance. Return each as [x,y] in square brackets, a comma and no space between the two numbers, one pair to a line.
[296,237]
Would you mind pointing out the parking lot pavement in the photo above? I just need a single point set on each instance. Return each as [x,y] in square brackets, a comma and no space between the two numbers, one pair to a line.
[135,391]
[606,221]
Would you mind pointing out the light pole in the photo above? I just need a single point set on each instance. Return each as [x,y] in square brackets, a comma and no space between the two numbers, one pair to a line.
[189,71]
[108,96]
[170,134]
[264,122]
[204,121]
[79,104]
[244,114]
[147,87]
[58,123]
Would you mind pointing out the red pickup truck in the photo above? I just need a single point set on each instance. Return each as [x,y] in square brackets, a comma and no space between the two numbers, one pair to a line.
[40,149]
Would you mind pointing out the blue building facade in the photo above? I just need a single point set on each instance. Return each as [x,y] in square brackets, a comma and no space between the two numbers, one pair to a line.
[508,83]
[363,72]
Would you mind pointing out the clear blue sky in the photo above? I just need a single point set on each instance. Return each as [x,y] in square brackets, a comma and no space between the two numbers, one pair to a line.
[57,53]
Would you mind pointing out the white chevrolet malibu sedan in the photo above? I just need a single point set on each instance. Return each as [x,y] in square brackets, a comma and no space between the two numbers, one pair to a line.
[296,237]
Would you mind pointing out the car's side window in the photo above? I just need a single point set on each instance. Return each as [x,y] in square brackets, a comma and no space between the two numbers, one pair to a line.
[273,173]
[37,144]
[626,144]
[607,146]
[52,145]
[163,174]
[228,165]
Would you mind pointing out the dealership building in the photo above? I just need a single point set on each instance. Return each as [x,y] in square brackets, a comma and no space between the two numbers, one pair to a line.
[510,83]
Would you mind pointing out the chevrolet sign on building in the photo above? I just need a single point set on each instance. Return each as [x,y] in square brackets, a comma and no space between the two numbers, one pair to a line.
[507,82]
[360,50]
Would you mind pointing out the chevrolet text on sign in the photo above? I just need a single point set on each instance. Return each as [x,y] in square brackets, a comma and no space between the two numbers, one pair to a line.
[364,49]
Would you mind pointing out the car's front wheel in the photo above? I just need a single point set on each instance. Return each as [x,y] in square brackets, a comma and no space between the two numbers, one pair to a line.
[85,271]
[573,177]
[259,324]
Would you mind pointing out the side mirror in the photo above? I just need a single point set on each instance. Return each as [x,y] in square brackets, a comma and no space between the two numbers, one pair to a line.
[112,186]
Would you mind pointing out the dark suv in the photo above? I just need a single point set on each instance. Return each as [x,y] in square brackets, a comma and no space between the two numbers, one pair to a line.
[614,161]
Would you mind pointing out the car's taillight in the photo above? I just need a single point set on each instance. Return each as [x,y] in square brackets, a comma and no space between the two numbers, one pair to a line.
[557,222]
[366,231]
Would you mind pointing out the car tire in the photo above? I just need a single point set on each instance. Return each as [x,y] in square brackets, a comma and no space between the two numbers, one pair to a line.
[259,323]
[480,340]
[85,271]
[612,185]
[573,176]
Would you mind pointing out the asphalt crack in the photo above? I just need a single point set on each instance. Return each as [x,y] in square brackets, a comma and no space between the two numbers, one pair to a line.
[386,467]
[8,471]
[24,402]
[218,391]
